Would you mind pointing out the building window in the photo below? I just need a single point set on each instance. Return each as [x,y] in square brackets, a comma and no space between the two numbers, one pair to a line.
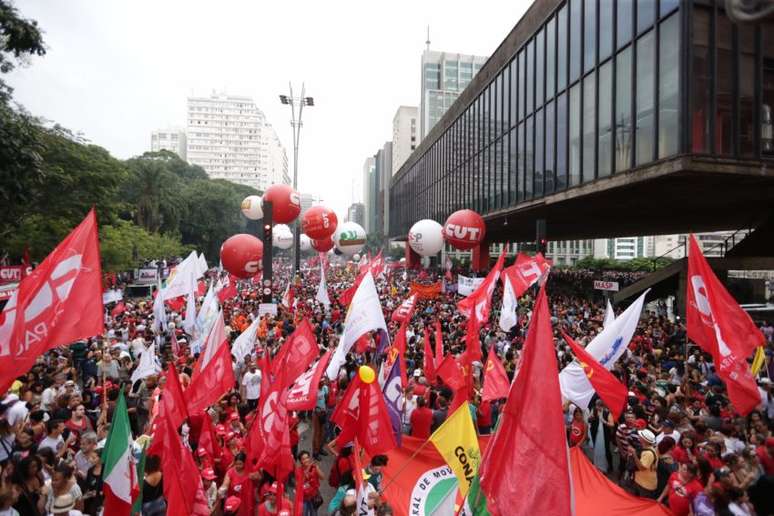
[522,84]
[590,34]
[539,67]
[701,81]
[605,28]
[549,154]
[767,110]
[589,127]
[576,17]
[512,167]
[623,110]
[624,22]
[605,111]
[561,141]
[646,13]
[529,157]
[561,49]
[521,163]
[539,154]
[645,82]
[668,89]
[746,90]
[530,75]
[550,58]
[725,80]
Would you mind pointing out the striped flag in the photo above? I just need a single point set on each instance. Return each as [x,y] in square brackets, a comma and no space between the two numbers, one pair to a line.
[120,484]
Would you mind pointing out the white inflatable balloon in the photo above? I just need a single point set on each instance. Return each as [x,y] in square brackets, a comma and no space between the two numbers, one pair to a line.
[305,242]
[426,237]
[350,238]
[282,237]
[356,257]
[251,207]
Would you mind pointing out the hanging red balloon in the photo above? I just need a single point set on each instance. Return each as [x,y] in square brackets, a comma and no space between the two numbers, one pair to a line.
[323,246]
[285,202]
[464,229]
[241,255]
[319,222]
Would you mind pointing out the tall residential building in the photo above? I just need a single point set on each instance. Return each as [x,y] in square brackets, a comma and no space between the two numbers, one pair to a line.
[624,248]
[568,252]
[230,138]
[405,135]
[444,76]
[173,140]
[369,196]
[356,213]
[383,173]
[307,201]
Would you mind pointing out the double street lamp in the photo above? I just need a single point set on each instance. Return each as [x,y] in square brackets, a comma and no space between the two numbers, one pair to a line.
[296,105]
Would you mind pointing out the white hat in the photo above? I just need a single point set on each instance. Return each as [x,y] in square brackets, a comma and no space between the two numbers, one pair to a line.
[647,436]
[417,373]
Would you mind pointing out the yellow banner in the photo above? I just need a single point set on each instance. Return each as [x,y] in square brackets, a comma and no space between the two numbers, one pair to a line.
[457,442]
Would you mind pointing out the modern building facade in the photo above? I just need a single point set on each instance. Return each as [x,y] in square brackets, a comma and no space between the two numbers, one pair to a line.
[444,76]
[369,193]
[356,213]
[383,173]
[568,252]
[173,140]
[405,135]
[605,118]
[230,138]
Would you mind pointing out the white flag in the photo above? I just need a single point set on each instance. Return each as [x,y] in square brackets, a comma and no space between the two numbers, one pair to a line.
[189,323]
[201,266]
[159,312]
[208,312]
[508,318]
[148,364]
[364,314]
[215,338]
[243,345]
[183,278]
[606,348]
[609,315]
[322,290]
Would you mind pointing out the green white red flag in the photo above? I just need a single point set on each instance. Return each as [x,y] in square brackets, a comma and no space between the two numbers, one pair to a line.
[120,474]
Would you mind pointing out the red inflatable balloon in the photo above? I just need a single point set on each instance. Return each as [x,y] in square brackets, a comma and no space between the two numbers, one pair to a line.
[241,255]
[323,246]
[285,203]
[464,229]
[319,222]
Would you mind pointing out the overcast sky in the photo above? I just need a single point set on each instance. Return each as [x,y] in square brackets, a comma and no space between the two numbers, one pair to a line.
[116,70]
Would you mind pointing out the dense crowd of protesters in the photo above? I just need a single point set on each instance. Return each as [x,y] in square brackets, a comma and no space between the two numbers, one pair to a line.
[679,440]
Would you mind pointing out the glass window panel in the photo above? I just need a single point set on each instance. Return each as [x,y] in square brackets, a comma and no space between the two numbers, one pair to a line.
[589,127]
[504,92]
[539,68]
[548,167]
[561,50]
[529,157]
[725,80]
[624,22]
[514,68]
[498,166]
[645,102]
[604,166]
[512,168]
[767,90]
[589,34]
[666,6]
[576,16]
[646,13]
[530,75]
[668,88]
[522,161]
[506,169]
[623,109]
[575,136]
[746,91]
[550,58]
[539,154]
[701,81]
[522,84]
[605,28]
[561,141]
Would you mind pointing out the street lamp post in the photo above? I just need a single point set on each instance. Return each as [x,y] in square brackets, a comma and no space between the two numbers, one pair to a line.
[296,124]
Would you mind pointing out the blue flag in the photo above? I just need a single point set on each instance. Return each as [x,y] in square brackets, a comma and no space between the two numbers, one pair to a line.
[393,397]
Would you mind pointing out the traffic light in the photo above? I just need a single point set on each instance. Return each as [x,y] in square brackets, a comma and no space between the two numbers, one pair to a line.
[541,242]
[268,219]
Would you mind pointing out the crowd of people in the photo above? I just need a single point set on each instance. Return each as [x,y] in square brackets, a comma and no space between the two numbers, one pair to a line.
[679,440]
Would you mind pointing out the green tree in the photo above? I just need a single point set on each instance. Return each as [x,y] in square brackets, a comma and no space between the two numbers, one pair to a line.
[123,244]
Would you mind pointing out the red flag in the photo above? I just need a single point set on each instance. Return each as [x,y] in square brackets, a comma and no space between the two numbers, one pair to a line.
[525,272]
[118,309]
[377,265]
[406,309]
[400,346]
[362,414]
[182,482]
[717,323]
[496,383]
[297,353]
[450,372]
[299,501]
[277,457]
[212,382]
[438,344]
[361,344]
[346,297]
[288,296]
[478,304]
[254,443]
[609,388]
[473,340]
[303,393]
[176,304]
[172,400]
[215,339]
[228,288]
[525,468]
[201,288]
[429,365]
[58,303]
[208,439]
[264,364]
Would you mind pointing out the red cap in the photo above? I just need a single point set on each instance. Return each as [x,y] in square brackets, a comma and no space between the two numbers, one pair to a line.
[209,474]
[230,436]
[273,488]
[233,417]
[640,424]
[232,504]
[201,452]
[220,429]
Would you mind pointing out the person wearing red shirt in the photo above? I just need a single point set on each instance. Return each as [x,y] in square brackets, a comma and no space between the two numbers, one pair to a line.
[484,417]
[311,487]
[269,506]
[765,454]
[682,487]
[421,419]
[578,429]
[236,477]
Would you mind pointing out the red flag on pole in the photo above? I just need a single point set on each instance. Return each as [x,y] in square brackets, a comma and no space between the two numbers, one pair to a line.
[276,457]
[362,414]
[400,345]
[297,353]
[496,383]
[478,304]
[525,272]
[58,303]
[212,382]
[406,309]
[182,482]
[227,288]
[612,391]
[208,439]
[118,309]
[172,399]
[346,296]
[438,344]
[429,365]
[717,323]
[525,469]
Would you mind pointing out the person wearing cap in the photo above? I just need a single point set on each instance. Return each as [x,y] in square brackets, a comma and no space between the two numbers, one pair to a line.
[210,487]
[231,506]
[645,479]
[623,440]
[668,430]
[271,506]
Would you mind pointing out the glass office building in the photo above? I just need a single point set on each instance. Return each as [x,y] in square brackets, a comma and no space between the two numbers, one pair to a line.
[584,90]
